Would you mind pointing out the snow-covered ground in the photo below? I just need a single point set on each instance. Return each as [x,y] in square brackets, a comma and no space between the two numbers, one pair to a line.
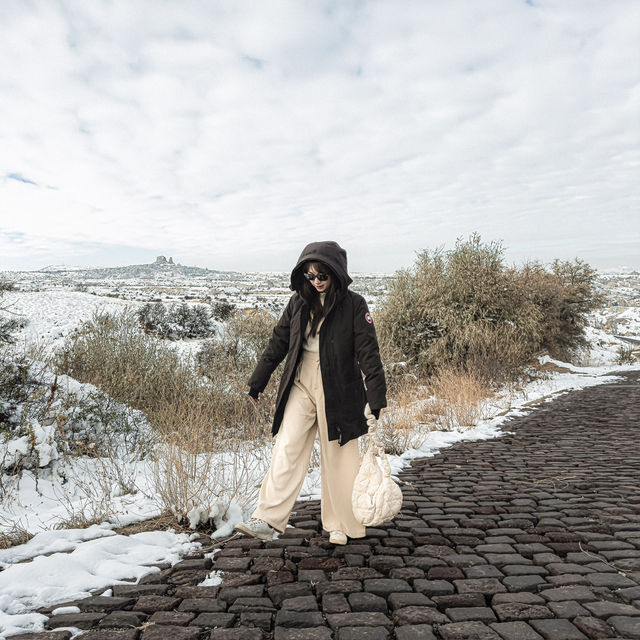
[80,562]
[623,321]
[52,315]
[58,565]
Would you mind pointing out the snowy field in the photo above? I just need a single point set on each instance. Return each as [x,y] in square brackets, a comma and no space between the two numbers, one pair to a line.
[59,565]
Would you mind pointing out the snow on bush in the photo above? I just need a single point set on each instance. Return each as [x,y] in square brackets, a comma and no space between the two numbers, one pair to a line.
[43,416]
[37,449]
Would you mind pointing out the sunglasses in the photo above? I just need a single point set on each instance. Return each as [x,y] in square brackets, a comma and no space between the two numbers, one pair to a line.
[322,277]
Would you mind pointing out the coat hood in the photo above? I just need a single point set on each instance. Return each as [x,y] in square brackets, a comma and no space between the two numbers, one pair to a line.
[328,252]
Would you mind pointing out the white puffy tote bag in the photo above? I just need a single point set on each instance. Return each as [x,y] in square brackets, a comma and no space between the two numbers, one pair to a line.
[376,498]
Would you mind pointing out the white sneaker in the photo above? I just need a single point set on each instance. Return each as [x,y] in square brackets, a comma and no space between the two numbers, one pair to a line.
[337,537]
[257,528]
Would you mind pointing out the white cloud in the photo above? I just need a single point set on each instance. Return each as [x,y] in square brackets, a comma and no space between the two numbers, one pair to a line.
[230,134]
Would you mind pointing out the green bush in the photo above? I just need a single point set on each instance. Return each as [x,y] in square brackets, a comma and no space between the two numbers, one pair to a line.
[15,379]
[8,325]
[466,309]
[222,310]
[95,424]
[177,321]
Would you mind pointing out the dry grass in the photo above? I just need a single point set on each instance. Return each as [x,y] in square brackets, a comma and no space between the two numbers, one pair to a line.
[551,367]
[198,473]
[111,352]
[85,515]
[97,482]
[91,501]
[459,398]
[163,522]
[627,354]
[14,534]
[450,399]
[406,421]
[227,362]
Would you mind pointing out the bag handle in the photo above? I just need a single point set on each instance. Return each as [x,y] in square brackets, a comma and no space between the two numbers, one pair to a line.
[372,424]
[375,446]
[386,467]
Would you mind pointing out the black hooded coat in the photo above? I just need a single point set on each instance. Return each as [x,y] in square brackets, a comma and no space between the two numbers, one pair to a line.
[348,348]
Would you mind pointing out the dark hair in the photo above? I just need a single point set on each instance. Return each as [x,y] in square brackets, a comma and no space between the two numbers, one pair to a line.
[312,297]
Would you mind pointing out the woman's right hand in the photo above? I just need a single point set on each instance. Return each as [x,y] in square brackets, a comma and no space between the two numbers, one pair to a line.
[253,399]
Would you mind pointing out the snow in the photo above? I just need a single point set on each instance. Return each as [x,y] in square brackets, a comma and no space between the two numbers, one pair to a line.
[213,579]
[59,565]
[48,498]
[54,541]
[41,439]
[62,610]
[94,564]
[53,315]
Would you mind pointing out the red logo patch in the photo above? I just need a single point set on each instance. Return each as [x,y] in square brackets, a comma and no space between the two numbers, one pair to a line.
[367,317]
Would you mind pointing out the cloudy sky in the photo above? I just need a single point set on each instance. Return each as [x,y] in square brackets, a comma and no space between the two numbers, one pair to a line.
[230,134]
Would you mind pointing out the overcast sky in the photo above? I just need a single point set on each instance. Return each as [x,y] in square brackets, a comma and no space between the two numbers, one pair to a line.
[230,134]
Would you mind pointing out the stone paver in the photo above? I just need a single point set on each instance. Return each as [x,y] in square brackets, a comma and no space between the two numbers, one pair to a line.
[45,635]
[531,536]
[515,631]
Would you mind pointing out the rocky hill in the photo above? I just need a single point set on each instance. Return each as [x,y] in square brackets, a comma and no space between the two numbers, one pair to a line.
[161,267]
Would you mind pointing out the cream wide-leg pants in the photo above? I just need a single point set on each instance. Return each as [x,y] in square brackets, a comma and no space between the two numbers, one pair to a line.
[304,414]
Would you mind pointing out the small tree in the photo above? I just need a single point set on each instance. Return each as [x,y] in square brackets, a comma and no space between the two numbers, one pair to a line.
[577,280]
[191,321]
[8,326]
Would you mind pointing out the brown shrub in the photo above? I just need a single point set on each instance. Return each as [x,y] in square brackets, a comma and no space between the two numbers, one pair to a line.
[464,309]
[564,296]
[113,353]
[211,438]
[228,360]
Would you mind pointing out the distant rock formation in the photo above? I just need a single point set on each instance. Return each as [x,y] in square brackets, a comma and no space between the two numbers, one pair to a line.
[159,269]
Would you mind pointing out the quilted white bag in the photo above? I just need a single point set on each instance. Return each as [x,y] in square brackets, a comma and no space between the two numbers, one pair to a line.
[376,498]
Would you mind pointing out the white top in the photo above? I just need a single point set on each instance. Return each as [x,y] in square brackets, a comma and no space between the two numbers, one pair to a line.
[312,343]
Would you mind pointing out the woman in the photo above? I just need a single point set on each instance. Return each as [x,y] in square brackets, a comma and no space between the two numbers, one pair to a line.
[327,335]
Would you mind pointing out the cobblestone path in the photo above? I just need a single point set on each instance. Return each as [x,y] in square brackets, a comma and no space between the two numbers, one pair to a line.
[534,535]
